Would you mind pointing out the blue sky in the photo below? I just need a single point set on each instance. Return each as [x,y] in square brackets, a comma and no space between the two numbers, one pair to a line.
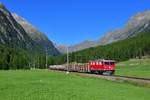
[73,21]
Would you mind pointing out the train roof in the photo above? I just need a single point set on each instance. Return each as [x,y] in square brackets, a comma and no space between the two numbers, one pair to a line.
[102,60]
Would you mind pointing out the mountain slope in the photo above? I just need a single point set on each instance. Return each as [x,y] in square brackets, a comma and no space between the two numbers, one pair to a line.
[19,49]
[11,33]
[77,47]
[38,37]
[135,25]
[62,48]
[83,45]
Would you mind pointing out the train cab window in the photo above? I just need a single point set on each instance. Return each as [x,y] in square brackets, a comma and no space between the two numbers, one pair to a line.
[106,63]
[100,63]
[97,63]
[109,63]
[94,63]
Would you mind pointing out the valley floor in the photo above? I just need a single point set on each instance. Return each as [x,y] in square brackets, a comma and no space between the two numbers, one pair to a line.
[48,85]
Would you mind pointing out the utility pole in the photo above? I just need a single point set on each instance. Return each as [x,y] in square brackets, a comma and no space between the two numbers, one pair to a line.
[67,59]
[38,61]
[46,58]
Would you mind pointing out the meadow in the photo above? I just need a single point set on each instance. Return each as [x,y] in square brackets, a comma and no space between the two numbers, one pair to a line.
[49,85]
[134,67]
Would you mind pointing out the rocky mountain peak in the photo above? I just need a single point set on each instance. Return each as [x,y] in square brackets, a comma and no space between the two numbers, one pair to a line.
[136,24]
[1,5]
[11,33]
[37,36]
[16,32]
[139,18]
[4,9]
[27,25]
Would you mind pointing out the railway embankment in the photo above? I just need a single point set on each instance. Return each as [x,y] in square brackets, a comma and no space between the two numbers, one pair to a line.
[145,82]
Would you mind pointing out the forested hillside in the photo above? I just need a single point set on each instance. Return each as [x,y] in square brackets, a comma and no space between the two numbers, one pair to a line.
[17,49]
[17,58]
[120,51]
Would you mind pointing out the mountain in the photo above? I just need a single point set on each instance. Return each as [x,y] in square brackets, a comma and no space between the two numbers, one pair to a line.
[77,47]
[83,45]
[17,32]
[135,25]
[12,33]
[62,48]
[22,46]
[38,37]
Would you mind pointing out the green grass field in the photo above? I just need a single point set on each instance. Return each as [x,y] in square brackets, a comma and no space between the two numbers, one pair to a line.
[47,85]
[134,67]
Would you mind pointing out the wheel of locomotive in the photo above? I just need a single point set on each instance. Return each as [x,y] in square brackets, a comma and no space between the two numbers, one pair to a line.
[92,72]
[110,72]
[107,73]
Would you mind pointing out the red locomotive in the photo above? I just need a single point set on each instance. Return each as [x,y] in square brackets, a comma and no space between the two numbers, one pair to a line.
[102,66]
[96,66]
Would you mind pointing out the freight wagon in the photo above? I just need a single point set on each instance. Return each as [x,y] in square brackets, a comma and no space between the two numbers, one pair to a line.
[93,66]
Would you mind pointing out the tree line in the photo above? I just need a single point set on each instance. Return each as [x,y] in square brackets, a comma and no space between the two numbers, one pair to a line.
[16,58]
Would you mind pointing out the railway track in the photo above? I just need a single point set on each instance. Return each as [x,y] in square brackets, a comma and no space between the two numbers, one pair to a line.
[134,80]
[117,78]
[137,78]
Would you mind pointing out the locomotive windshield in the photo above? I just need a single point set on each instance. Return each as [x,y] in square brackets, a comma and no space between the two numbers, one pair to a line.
[109,63]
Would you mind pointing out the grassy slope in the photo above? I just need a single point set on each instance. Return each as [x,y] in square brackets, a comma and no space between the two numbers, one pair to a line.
[45,85]
[134,67]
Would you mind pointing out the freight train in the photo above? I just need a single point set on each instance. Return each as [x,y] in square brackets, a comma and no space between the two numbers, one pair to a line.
[103,67]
